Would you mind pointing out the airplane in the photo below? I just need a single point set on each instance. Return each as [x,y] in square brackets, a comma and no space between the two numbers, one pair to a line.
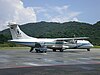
[41,45]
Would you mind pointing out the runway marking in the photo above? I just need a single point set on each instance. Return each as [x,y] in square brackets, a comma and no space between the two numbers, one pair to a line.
[31,64]
[86,68]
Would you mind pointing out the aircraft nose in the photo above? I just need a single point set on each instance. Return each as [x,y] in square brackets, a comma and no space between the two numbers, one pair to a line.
[91,45]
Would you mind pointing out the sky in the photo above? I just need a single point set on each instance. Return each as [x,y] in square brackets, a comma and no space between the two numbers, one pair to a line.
[31,11]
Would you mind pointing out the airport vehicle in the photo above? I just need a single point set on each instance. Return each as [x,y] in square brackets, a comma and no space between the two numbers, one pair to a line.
[41,44]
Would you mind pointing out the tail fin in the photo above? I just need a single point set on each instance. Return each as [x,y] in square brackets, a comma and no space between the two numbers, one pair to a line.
[16,32]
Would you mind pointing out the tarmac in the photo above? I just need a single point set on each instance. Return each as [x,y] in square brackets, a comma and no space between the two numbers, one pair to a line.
[70,62]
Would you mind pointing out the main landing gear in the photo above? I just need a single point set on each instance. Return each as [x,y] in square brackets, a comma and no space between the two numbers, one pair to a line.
[61,50]
[88,49]
[54,50]
[31,49]
[39,50]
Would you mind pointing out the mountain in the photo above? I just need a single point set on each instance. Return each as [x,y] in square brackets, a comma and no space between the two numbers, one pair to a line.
[53,30]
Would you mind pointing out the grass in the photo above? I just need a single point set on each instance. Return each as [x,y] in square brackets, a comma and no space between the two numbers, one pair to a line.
[96,47]
[14,48]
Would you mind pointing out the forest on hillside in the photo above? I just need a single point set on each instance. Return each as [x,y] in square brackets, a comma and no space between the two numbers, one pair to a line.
[57,30]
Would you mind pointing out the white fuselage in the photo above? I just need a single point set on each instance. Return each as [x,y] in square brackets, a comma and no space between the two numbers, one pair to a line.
[51,43]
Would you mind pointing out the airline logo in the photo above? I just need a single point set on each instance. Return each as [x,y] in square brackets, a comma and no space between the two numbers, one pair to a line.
[18,33]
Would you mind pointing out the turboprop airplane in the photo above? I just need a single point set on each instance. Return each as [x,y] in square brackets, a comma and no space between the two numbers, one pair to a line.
[41,44]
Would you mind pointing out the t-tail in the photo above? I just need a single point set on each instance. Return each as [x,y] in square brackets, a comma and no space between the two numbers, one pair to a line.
[17,33]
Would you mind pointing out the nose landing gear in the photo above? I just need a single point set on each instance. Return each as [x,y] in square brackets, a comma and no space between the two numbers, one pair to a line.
[88,49]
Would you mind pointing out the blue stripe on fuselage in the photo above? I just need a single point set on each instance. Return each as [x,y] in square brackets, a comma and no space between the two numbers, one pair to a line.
[33,43]
[26,43]
[83,44]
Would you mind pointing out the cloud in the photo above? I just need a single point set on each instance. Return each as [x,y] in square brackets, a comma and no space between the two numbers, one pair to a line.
[39,9]
[14,10]
[57,14]
[62,9]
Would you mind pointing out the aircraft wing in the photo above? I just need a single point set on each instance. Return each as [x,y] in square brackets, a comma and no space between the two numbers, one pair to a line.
[76,38]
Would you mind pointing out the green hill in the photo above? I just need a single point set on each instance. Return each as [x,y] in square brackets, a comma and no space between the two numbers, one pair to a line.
[53,30]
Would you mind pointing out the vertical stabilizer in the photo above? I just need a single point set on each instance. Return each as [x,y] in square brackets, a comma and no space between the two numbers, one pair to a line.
[16,32]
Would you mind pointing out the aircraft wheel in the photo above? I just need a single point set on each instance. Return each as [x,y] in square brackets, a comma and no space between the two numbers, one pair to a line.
[54,50]
[31,49]
[37,51]
[88,49]
[45,51]
[61,50]
[41,51]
